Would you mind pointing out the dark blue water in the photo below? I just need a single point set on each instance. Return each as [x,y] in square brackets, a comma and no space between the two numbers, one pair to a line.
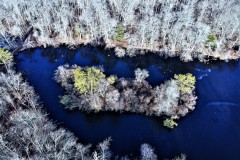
[211,131]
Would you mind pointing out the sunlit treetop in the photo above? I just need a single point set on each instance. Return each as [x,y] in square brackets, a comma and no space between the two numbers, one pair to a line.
[5,56]
[120,33]
[111,79]
[87,79]
[186,82]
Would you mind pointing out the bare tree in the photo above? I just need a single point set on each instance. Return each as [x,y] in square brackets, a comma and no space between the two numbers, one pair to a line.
[140,75]
[147,152]
[166,98]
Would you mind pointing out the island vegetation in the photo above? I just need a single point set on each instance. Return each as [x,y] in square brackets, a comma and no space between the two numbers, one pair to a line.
[89,89]
[189,29]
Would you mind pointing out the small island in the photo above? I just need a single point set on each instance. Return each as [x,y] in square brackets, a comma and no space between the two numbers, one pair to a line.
[89,89]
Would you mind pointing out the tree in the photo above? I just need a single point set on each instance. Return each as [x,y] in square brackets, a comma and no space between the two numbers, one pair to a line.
[140,74]
[87,79]
[5,56]
[185,82]
[103,150]
[166,97]
[147,152]
[120,33]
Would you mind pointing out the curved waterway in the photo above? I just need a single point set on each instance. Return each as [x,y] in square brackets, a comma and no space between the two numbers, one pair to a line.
[211,131]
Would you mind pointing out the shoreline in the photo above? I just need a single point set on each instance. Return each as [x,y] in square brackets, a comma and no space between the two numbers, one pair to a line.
[120,49]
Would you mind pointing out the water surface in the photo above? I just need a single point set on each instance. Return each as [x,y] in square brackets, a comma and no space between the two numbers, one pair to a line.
[211,131]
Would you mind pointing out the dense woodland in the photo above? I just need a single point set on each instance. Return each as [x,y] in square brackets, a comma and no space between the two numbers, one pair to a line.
[88,89]
[189,29]
[185,28]
[27,133]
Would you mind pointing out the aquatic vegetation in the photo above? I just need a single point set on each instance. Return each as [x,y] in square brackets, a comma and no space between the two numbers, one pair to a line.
[169,123]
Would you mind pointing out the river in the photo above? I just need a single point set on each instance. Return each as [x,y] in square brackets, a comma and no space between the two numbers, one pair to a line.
[211,131]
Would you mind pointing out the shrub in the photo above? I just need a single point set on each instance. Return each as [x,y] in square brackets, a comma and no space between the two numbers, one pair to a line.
[169,123]
[5,56]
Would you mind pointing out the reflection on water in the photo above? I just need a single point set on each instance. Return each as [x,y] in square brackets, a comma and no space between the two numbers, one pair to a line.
[211,131]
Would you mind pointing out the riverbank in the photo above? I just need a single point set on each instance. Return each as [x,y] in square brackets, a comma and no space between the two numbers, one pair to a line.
[187,29]
[122,49]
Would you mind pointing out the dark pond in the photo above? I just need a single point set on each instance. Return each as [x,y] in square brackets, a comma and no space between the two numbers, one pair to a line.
[210,132]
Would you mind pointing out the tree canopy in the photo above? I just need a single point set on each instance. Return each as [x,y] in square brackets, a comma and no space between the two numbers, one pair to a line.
[5,56]
[169,123]
[87,79]
[186,82]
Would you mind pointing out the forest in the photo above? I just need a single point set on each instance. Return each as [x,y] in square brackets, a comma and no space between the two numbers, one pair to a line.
[189,29]
[203,30]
